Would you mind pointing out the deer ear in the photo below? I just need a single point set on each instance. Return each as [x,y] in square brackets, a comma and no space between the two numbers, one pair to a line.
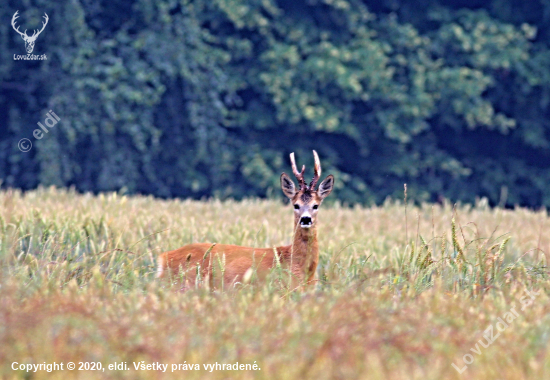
[325,187]
[288,186]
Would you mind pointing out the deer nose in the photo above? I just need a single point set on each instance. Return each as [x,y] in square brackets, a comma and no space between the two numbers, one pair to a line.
[305,221]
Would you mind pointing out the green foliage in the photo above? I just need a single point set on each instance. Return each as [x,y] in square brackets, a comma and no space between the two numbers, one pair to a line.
[207,98]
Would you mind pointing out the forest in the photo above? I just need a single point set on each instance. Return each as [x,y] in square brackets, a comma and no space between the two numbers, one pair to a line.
[207,98]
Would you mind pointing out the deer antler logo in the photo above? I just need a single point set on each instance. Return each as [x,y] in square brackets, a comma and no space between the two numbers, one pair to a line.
[29,40]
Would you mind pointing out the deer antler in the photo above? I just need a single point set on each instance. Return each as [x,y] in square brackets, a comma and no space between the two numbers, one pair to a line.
[43,25]
[24,34]
[316,170]
[299,176]
[15,16]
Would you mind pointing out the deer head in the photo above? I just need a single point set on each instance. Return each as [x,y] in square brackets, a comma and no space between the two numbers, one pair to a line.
[307,199]
[29,40]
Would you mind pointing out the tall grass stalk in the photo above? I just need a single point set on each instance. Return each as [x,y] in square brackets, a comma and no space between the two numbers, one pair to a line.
[77,283]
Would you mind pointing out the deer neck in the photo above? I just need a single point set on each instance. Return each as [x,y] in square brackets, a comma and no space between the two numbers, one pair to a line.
[305,250]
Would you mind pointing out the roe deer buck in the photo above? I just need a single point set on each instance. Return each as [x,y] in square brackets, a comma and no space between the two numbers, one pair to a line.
[233,262]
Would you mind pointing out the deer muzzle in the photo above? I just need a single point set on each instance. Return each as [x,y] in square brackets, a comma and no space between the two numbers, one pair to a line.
[305,220]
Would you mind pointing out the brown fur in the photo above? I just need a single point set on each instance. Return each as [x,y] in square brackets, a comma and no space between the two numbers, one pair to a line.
[300,259]
[238,260]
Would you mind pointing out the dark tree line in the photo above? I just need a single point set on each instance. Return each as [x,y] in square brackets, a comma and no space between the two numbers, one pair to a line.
[194,98]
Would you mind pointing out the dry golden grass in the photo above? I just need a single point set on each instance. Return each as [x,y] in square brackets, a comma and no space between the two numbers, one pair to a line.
[77,285]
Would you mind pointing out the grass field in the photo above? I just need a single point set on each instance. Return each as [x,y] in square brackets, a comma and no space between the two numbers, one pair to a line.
[397,297]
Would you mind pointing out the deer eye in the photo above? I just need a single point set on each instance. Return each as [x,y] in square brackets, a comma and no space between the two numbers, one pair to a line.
[315,207]
[296,207]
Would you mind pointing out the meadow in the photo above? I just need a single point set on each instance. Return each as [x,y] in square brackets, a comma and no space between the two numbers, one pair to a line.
[416,292]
